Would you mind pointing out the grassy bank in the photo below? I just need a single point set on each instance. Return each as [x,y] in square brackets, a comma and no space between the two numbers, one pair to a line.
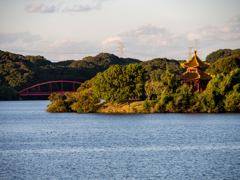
[131,107]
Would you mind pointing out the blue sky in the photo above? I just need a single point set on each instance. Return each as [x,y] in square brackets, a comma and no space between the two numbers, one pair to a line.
[63,30]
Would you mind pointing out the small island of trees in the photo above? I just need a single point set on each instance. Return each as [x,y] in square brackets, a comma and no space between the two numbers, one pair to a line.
[127,85]
[123,88]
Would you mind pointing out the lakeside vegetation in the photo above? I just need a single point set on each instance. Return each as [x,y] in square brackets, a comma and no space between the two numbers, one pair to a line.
[221,95]
[127,85]
[124,88]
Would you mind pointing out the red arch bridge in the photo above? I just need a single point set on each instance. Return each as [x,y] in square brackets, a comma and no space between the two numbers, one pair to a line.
[35,90]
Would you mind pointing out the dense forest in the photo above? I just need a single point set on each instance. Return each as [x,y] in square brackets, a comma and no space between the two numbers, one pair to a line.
[162,93]
[124,84]
[18,72]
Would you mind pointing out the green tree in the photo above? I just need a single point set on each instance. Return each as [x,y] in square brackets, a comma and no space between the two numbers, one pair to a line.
[135,73]
[158,87]
[118,83]
[85,103]
[232,100]
[148,89]
[86,86]
[169,81]
[216,97]
[58,103]
[163,100]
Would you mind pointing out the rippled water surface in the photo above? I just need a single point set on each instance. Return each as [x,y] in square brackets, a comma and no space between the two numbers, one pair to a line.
[35,144]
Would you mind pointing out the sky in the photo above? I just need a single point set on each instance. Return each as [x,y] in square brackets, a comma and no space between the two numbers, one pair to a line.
[73,29]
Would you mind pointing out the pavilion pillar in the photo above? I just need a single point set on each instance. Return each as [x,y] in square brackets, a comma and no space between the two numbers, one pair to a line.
[198,86]
[201,87]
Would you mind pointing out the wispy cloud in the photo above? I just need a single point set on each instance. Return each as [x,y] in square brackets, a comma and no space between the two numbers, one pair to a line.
[42,8]
[110,42]
[24,37]
[235,19]
[153,40]
[228,32]
[143,42]
[95,5]
[146,35]
[147,29]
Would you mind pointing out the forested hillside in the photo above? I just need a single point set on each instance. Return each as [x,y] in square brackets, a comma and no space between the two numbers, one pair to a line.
[225,65]
[19,72]
[223,61]
[221,53]
[156,67]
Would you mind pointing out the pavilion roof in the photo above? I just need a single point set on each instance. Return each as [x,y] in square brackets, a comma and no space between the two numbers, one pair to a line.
[195,76]
[195,62]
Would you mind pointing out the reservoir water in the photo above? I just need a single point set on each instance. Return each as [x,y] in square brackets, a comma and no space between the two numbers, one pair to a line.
[35,144]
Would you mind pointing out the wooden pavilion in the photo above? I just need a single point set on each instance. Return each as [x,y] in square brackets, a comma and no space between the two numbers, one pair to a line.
[195,74]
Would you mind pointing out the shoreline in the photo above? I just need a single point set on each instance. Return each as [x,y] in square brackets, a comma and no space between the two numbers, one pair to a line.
[136,107]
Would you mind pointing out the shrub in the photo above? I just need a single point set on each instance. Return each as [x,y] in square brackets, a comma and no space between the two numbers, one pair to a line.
[170,107]
[85,103]
[58,103]
[58,106]
[232,101]
[146,105]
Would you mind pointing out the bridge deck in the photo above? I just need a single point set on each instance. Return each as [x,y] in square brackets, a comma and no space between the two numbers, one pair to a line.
[44,93]
[25,92]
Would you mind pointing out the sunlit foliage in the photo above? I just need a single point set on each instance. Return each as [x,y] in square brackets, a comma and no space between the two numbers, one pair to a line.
[119,83]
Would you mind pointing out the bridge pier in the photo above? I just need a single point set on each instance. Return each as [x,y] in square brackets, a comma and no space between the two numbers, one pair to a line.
[73,87]
[62,86]
[50,88]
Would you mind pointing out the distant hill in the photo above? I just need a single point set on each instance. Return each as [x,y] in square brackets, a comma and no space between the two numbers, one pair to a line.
[157,66]
[221,53]
[20,71]
[225,65]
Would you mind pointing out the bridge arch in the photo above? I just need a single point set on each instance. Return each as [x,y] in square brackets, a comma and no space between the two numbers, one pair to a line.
[26,92]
